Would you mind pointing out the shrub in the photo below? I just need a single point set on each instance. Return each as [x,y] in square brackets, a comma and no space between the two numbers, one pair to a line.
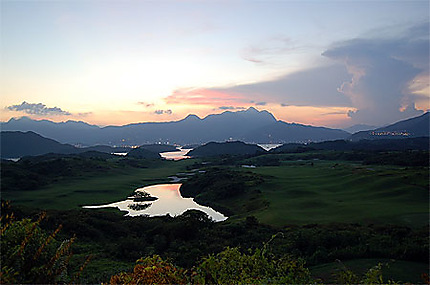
[151,270]
[233,267]
[29,254]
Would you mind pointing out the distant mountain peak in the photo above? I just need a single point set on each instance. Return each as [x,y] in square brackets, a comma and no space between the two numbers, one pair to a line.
[23,118]
[192,117]
[264,113]
[252,110]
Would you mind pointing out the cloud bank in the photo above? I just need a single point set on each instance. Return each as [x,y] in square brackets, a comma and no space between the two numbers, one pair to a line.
[379,80]
[37,109]
[382,72]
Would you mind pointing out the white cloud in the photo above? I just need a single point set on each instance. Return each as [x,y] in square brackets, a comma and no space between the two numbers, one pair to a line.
[382,71]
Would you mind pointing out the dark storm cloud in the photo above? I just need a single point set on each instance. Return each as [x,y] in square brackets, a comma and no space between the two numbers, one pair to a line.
[37,109]
[382,70]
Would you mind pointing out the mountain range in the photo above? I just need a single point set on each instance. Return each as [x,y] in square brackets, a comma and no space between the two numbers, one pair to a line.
[249,125]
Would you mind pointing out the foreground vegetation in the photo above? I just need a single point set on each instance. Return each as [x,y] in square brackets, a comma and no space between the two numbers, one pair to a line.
[195,249]
[316,208]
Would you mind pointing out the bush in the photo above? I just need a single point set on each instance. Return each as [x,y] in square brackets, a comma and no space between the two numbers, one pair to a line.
[151,270]
[29,254]
[232,267]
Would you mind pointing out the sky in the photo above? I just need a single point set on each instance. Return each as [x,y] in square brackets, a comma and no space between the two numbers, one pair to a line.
[324,63]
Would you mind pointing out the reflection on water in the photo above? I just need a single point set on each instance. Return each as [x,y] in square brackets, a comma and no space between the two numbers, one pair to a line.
[176,155]
[269,146]
[169,202]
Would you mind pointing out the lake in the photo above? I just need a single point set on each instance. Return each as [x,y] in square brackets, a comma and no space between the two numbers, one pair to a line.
[176,155]
[169,202]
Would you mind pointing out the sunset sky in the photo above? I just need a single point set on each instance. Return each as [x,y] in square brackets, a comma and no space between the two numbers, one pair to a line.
[326,63]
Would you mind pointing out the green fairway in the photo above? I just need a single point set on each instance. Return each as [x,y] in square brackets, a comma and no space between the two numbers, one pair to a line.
[302,192]
[295,192]
[97,189]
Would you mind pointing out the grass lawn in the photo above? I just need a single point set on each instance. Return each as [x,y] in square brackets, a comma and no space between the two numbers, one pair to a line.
[330,191]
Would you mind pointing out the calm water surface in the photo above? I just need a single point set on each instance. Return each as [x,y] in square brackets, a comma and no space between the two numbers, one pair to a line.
[269,146]
[169,202]
[176,155]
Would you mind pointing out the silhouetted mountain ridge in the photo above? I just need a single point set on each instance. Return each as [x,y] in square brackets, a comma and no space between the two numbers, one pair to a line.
[249,125]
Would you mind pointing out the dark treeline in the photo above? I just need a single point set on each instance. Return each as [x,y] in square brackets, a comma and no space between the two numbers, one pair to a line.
[400,158]
[421,143]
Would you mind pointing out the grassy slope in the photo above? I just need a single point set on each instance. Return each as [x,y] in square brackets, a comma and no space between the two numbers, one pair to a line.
[98,189]
[299,193]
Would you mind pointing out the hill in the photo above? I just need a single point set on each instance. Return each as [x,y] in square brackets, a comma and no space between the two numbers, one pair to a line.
[410,128]
[18,144]
[141,152]
[250,125]
[226,148]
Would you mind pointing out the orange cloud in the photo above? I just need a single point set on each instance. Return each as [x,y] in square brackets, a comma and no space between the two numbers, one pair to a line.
[208,97]
[311,115]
